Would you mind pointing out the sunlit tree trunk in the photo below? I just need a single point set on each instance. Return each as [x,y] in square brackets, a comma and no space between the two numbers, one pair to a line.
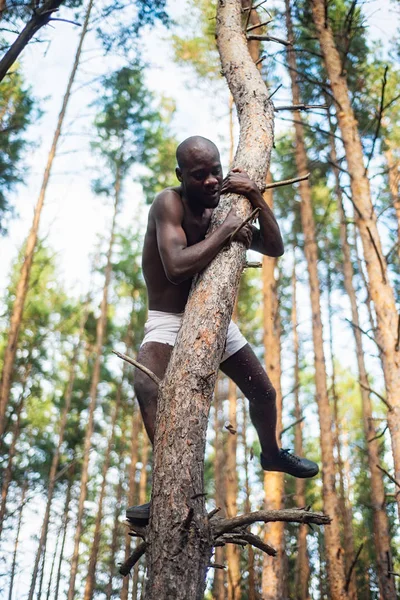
[22,286]
[65,521]
[379,283]
[116,532]
[90,579]
[302,569]
[247,506]
[380,520]
[219,591]
[16,543]
[100,334]
[144,457]
[334,551]
[272,576]
[57,454]
[394,181]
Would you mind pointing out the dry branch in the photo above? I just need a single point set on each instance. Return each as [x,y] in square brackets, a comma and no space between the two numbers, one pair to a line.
[136,364]
[269,516]
[389,475]
[252,216]
[136,555]
[300,107]
[268,38]
[276,184]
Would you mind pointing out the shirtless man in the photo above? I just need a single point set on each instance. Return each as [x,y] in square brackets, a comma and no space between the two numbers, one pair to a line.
[175,249]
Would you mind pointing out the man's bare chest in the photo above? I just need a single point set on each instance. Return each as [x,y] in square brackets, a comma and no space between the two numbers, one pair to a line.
[196,229]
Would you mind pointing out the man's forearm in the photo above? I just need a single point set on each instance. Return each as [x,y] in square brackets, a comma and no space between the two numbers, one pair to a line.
[269,240]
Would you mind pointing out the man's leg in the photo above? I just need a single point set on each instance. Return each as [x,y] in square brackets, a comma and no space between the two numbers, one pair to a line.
[245,370]
[155,356]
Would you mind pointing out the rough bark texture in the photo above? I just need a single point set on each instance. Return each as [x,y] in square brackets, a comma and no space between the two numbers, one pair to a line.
[379,284]
[302,569]
[394,181]
[179,534]
[380,519]
[272,575]
[100,334]
[22,287]
[247,506]
[144,458]
[219,591]
[334,551]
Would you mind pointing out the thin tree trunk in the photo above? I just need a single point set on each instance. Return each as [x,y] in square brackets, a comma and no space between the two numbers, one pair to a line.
[302,569]
[23,283]
[380,520]
[131,491]
[345,510]
[16,543]
[334,551]
[272,574]
[394,181]
[64,535]
[39,594]
[142,495]
[247,506]
[53,562]
[186,391]
[388,320]
[90,579]
[219,592]
[117,526]
[100,334]
[57,454]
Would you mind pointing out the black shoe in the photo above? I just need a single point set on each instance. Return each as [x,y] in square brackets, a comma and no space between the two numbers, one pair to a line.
[139,515]
[290,463]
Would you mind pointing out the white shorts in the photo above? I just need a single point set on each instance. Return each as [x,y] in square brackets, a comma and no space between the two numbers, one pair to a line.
[163,327]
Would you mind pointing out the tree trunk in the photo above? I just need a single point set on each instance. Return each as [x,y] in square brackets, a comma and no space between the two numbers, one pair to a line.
[56,456]
[247,507]
[16,543]
[177,556]
[394,180]
[272,575]
[380,520]
[379,284]
[302,569]
[65,521]
[90,579]
[100,334]
[22,287]
[39,594]
[219,555]
[142,496]
[117,526]
[53,562]
[131,491]
[334,551]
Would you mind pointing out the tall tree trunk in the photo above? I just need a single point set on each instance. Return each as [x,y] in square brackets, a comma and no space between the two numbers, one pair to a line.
[90,579]
[65,521]
[334,551]
[379,284]
[302,569]
[16,543]
[380,520]
[53,562]
[131,490]
[23,282]
[100,334]
[142,495]
[219,592]
[345,509]
[247,505]
[394,181]
[39,594]
[272,575]
[117,526]
[186,391]
[7,474]
[57,454]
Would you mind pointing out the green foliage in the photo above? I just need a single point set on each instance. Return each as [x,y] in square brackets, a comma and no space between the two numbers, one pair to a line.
[17,110]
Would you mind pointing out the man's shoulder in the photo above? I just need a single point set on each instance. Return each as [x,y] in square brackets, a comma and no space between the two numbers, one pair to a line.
[166,201]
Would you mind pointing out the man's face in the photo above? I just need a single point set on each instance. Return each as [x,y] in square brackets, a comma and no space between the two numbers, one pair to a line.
[201,177]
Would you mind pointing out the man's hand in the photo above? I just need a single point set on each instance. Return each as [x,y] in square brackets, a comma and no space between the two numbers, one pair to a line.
[232,222]
[238,182]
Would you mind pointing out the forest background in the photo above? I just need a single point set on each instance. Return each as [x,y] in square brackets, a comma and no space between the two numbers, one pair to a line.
[161,82]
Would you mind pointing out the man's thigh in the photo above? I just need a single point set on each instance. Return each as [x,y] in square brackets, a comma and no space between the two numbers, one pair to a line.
[155,356]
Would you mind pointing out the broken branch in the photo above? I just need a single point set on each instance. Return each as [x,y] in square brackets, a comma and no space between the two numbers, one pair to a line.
[253,215]
[268,516]
[136,555]
[291,425]
[353,564]
[136,364]
[257,25]
[276,184]
[268,38]
[389,475]
[300,107]
[365,387]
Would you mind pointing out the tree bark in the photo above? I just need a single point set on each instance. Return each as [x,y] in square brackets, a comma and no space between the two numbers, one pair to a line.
[302,568]
[272,574]
[179,544]
[379,283]
[247,506]
[56,456]
[16,543]
[219,592]
[334,551]
[142,496]
[22,287]
[90,579]
[64,535]
[100,334]
[394,181]
[380,519]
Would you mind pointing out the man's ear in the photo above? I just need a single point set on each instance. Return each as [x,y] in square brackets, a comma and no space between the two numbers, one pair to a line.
[178,174]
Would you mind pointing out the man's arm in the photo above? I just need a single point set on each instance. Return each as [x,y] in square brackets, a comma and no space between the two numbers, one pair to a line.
[181,261]
[266,240]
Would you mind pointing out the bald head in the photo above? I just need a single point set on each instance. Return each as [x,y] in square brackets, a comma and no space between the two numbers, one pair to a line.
[189,150]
